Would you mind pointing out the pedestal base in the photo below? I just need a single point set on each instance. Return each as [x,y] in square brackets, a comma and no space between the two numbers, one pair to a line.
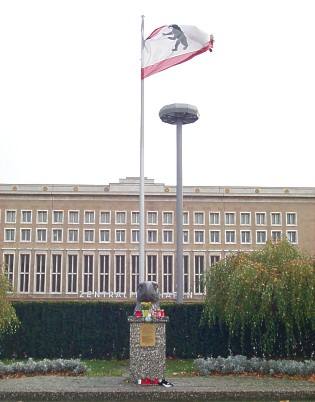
[147,348]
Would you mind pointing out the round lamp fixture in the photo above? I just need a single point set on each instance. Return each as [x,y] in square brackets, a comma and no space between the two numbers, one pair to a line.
[179,113]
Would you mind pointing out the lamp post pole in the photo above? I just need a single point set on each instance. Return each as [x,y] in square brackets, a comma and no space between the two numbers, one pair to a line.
[179,214]
[179,114]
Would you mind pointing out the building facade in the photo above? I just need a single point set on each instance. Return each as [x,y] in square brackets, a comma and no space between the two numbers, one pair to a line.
[74,242]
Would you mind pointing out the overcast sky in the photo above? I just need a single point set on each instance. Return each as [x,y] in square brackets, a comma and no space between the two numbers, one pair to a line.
[70,92]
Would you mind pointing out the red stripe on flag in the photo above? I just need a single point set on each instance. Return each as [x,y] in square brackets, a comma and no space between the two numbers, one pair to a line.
[172,61]
[155,32]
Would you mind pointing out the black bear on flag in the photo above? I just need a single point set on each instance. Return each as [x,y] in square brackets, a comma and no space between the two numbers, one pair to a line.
[178,35]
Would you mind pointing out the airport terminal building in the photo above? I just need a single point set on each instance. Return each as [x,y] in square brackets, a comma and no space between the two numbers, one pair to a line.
[82,241]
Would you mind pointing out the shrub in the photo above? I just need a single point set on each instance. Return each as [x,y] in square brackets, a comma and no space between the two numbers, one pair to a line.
[263,295]
[31,367]
[8,319]
[241,364]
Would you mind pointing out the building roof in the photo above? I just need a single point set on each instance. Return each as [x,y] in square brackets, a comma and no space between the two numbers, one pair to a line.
[130,186]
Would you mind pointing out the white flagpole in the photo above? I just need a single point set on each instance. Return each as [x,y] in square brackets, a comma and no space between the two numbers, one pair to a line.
[141,201]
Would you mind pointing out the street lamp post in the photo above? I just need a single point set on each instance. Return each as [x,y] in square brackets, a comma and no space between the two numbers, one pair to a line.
[179,114]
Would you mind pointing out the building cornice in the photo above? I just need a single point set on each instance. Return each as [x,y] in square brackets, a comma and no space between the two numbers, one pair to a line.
[130,186]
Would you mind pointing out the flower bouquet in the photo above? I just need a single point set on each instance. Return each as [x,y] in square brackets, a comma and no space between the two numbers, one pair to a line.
[146,308]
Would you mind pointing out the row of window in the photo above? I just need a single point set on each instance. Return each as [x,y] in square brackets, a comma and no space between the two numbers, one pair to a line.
[34,278]
[245,218]
[215,236]
[245,236]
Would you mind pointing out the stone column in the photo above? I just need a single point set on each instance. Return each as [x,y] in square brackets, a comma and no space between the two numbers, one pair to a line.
[147,348]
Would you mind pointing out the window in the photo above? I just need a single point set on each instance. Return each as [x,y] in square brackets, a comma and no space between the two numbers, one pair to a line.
[24,273]
[10,216]
[88,269]
[120,274]
[56,273]
[199,218]
[26,216]
[167,218]
[120,217]
[73,235]
[214,259]
[135,236]
[291,218]
[292,236]
[230,236]
[186,273]
[9,234]
[57,235]
[120,236]
[104,235]
[135,217]
[104,274]
[152,268]
[214,218]
[246,237]
[152,218]
[199,273]
[275,218]
[215,236]
[9,267]
[57,216]
[134,273]
[230,218]
[167,236]
[42,216]
[199,236]
[260,218]
[152,236]
[105,217]
[40,273]
[276,235]
[185,236]
[261,236]
[41,235]
[72,276]
[245,218]
[73,217]
[89,217]
[185,218]
[89,235]
[167,274]
[25,235]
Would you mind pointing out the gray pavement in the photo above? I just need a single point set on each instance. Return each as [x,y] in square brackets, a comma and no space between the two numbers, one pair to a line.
[57,388]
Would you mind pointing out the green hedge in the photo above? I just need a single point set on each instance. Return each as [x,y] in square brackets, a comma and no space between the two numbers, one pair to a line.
[101,330]
[70,329]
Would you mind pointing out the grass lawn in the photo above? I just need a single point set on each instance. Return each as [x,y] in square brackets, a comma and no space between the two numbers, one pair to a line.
[174,367]
[117,368]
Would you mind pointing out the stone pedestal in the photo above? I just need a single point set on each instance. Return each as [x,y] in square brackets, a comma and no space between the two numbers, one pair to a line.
[147,348]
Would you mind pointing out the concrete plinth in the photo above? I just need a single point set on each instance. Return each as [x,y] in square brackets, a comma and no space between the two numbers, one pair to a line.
[147,348]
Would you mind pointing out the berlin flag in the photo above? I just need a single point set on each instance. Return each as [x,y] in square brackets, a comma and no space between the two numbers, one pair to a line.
[170,45]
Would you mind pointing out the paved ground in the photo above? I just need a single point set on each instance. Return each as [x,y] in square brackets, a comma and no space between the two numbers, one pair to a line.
[44,388]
